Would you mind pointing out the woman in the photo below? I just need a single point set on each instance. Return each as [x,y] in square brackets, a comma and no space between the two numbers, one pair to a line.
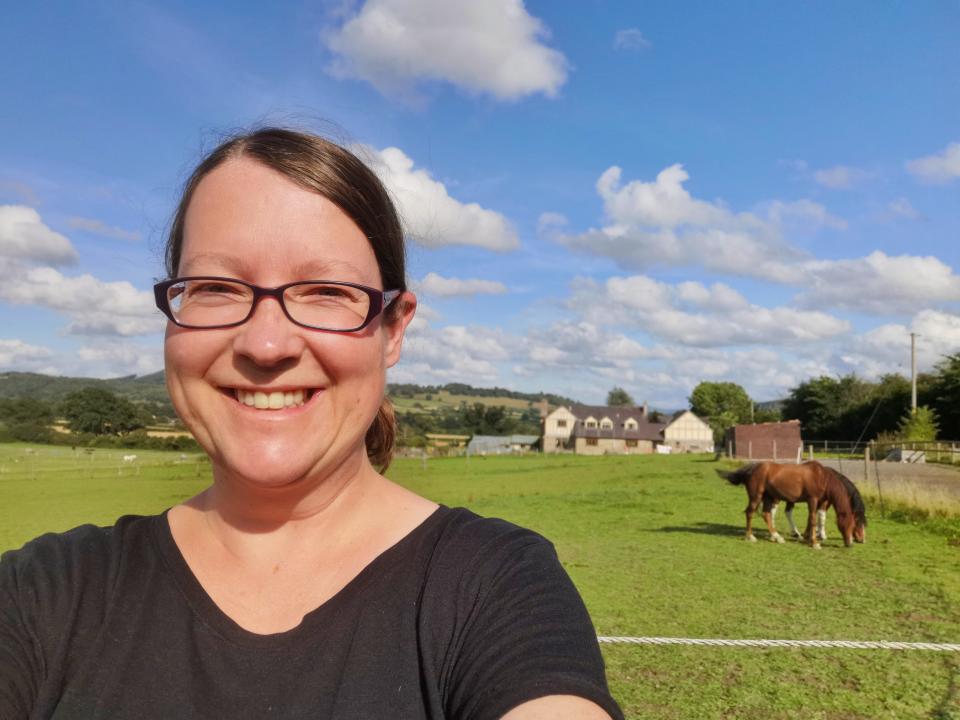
[302,583]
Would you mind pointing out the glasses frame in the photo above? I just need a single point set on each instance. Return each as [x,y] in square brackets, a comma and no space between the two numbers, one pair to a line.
[379,301]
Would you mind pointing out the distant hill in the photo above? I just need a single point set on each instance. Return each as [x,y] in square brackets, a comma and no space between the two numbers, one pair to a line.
[152,390]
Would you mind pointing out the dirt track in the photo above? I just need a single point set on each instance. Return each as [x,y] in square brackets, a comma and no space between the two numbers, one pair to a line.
[927,482]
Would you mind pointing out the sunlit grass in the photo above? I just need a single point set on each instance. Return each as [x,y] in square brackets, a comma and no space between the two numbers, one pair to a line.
[654,543]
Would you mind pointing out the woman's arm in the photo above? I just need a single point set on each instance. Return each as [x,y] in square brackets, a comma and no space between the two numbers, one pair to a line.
[568,707]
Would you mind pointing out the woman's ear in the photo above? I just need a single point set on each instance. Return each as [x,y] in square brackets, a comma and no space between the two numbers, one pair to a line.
[404,308]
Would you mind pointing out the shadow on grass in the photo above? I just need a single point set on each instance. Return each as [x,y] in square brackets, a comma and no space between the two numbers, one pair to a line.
[704,528]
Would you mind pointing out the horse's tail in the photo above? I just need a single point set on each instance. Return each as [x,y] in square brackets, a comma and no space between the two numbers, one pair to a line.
[740,475]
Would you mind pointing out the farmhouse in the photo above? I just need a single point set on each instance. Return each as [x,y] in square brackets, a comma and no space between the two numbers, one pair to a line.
[765,441]
[599,430]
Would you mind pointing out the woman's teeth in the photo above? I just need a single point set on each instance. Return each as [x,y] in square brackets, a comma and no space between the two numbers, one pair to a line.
[272,400]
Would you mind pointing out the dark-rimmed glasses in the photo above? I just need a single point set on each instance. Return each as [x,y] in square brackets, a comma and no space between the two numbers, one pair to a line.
[209,302]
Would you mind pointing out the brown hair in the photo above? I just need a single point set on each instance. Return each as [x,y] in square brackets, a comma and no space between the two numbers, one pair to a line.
[328,169]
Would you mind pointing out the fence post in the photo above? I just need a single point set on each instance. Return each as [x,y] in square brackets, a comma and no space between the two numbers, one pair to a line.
[730,448]
[811,451]
[750,450]
[799,453]
[774,450]
[866,463]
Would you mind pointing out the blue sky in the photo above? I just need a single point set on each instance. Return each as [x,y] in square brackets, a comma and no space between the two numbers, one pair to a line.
[598,193]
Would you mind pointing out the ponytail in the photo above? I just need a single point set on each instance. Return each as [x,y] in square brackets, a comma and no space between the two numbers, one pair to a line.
[381,436]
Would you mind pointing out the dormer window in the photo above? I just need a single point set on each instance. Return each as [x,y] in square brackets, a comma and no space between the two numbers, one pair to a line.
[590,422]
[606,424]
[631,424]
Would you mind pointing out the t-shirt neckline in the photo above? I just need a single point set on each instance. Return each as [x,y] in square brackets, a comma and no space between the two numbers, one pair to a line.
[222,624]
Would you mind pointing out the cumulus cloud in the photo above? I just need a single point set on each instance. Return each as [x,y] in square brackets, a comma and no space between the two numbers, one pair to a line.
[939,168]
[496,48]
[840,177]
[886,349]
[879,283]
[16,354]
[695,314]
[661,223]
[98,227]
[452,353]
[430,215]
[24,236]
[550,223]
[434,284]
[630,39]
[93,306]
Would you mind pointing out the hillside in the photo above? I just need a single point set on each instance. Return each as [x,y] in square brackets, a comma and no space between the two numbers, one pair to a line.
[151,390]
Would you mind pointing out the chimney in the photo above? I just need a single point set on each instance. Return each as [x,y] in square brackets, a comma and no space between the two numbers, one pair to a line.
[645,409]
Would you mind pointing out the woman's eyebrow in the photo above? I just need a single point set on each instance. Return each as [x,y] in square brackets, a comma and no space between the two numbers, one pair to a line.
[308,270]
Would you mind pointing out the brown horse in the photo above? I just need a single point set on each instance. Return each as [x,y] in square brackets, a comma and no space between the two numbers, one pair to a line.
[820,487]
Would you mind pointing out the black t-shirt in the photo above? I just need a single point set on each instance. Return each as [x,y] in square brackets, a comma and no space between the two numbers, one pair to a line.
[464,618]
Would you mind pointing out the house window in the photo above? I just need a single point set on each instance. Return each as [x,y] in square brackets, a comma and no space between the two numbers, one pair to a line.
[591,441]
[561,423]
[606,423]
[591,423]
[631,443]
[631,424]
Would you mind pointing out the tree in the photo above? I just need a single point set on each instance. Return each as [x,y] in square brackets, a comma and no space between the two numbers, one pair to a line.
[722,404]
[919,426]
[618,397]
[27,419]
[944,393]
[98,411]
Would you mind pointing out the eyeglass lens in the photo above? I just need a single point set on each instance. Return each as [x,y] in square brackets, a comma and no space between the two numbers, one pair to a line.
[207,303]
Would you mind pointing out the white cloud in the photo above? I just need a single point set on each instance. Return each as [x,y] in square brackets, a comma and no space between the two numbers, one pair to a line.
[693,314]
[118,359]
[452,353]
[938,169]
[630,39]
[23,235]
[901,207]
[840,177]
[660,223]
[430,216]
[879,283]
[805,213]
[16,354]
[94,307]
[98,227]
[550,223]
[434,284]
[493,47]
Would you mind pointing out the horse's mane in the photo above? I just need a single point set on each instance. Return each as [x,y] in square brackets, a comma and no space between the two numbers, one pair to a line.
[856,501]
[740,475]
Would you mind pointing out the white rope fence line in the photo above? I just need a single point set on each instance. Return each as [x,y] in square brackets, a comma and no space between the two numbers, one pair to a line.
[721,642]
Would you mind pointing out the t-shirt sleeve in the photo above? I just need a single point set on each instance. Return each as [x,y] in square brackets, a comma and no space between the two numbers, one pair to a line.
[20,657]
[521,632]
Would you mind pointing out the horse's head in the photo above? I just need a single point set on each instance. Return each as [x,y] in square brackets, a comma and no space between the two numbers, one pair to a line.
[852,514]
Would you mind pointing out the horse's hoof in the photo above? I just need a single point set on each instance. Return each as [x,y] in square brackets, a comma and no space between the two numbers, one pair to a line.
[778,539]
[750,538]
[798,536]
[817,547]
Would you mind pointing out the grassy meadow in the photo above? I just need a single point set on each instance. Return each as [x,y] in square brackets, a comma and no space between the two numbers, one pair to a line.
[654,543]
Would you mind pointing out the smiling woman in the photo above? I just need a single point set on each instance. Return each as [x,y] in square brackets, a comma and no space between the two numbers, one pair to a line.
[302,583]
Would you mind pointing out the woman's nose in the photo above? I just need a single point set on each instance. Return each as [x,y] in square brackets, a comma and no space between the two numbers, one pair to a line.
[269,336]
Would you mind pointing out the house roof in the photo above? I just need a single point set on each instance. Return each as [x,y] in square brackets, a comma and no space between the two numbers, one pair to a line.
[644,431]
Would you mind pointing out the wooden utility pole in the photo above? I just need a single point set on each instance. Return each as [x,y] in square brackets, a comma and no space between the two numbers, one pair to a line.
[913,373]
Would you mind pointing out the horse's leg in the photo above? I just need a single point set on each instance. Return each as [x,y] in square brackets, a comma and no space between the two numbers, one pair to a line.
[769,512]
[822,524]
[793,526]
[811,520]
[752,504]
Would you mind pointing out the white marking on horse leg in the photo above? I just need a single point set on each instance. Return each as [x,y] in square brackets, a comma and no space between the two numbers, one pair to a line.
[750,538]
[822,524]
[793,526]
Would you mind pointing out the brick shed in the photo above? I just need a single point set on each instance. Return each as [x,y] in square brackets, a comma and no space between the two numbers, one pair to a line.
[765,441]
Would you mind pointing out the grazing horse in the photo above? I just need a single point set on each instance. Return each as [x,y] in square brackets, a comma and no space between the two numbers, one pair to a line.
[820,487]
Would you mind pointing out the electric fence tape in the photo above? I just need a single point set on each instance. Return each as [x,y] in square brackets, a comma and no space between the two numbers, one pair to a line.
[720,642]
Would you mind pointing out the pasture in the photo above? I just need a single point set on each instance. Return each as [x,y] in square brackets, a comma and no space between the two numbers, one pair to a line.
[654,543]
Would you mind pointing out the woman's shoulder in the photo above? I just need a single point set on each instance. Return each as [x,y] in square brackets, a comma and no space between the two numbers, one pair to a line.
[79,552]
[462,531]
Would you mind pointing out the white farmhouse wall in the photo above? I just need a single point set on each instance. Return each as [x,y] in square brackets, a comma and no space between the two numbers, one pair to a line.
[557,427]
[688,433]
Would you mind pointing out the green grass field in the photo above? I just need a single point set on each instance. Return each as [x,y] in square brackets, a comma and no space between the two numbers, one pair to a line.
[654,543]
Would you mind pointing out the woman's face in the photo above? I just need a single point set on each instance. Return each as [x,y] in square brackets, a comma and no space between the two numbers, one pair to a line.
[248,222]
